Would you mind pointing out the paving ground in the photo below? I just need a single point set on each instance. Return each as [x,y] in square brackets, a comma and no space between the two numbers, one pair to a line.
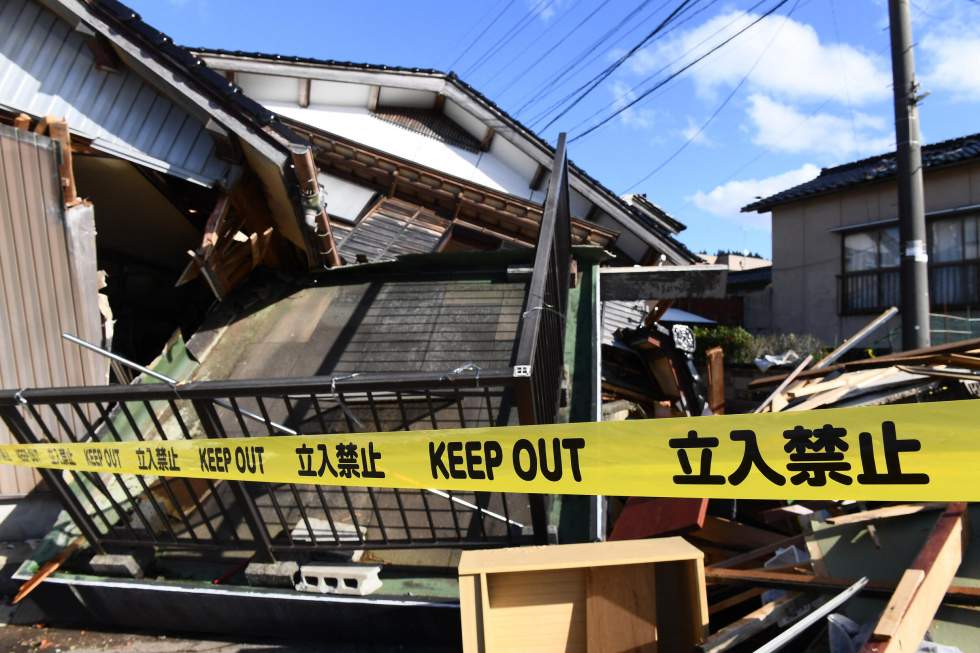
[24,639]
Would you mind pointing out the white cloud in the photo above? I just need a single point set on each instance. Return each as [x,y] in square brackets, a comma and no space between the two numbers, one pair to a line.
[951,64]
[783,128]
[727,200]
[545,9]
[691,133]
[622,95]
[797,65]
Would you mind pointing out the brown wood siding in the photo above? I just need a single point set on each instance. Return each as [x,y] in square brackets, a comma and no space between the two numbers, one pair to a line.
[42,293]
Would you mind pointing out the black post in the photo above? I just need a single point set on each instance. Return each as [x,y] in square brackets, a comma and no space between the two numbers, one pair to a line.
[911,202]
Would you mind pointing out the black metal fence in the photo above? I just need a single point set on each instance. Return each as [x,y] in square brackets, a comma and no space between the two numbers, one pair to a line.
[540,351]
[272,519]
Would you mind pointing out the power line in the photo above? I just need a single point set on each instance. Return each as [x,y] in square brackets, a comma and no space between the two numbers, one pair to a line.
[679,72]
[554,47]
[509,36]
[592,47]
[601,77]
[652,76]
[529,46]
[481,34]
[724,102]
[539,117]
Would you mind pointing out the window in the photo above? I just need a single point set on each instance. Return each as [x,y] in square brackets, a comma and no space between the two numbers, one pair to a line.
[954,262]
[871,277]
[871,280]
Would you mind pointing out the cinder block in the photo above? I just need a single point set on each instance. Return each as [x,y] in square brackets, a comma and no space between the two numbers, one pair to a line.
[122,565]
[272,574]
[353,580]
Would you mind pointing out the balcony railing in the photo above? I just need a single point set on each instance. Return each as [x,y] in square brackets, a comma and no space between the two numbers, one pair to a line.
[952,286]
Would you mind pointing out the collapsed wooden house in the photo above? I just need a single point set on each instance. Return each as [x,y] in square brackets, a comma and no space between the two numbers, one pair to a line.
[283,274]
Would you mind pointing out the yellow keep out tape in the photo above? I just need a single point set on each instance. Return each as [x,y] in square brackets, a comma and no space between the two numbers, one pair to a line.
[913,452]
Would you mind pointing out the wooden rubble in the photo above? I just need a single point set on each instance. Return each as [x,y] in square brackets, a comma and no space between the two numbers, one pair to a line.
[740,539]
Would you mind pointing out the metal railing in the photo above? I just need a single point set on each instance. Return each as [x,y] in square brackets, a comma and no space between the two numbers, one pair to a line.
[951,286]
[274,519]
[540,352]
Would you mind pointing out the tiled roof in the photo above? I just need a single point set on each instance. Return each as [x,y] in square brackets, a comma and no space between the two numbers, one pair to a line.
[182,59]
[877,168]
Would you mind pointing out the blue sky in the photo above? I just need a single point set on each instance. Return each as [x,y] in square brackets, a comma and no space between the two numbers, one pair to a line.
[799,92]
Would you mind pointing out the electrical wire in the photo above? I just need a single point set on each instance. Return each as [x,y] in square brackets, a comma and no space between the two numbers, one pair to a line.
[554,47]
[601,77]
[679,72]
[481,34]
[541,116]
[655,74]
[724,102]
[520,53]
[592,47]
[508,36]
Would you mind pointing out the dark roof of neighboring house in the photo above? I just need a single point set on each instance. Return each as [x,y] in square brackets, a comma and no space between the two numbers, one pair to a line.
[749,279]
[649,223]
[876,168]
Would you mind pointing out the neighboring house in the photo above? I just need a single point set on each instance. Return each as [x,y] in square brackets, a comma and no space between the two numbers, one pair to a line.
[748,293]
[836,246]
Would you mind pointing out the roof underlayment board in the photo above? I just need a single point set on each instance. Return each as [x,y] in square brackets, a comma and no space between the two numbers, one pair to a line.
[48,68]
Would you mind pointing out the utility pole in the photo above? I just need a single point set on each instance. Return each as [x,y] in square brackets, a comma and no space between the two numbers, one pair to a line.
[911,202]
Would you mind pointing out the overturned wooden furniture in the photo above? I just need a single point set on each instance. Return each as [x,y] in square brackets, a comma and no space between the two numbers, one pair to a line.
[641,595]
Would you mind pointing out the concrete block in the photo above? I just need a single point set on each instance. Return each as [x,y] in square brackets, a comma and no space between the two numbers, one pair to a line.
[272,574]
[352,580]
[123,565]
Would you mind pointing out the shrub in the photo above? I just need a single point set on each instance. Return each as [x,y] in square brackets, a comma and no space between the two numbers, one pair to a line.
[742,347]
[736,341]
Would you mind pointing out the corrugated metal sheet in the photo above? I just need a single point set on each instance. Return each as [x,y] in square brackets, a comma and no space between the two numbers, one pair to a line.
[47,280]
[47,68]
[618,315]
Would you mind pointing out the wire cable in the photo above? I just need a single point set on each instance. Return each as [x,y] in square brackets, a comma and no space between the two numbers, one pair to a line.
[508,36]
[539,117]
[554,47]
[724,102]
[655,74]
[481,34]
[679,72]
[592,47]
[601,77]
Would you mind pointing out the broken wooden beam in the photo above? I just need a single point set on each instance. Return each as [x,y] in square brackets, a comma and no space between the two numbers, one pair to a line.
[886,512]
[755,622]
[924,586]
[663,282]
[954,594]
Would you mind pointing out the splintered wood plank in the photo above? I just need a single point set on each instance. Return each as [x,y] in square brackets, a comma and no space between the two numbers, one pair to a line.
[754,623]
[891,618]
[734,535]
[913,605]
[884,513]
[621,609]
